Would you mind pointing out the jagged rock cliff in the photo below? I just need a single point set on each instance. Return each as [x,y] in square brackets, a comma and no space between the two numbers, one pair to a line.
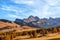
[37,22]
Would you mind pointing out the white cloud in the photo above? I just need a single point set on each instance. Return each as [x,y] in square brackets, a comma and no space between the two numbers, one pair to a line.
[52,2]
[9,8]
[39,7]
[29,2]
[16,10]
[13,16]
[12,9]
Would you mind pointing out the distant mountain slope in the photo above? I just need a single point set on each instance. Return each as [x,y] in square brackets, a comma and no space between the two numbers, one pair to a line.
[37,22]
[6,24]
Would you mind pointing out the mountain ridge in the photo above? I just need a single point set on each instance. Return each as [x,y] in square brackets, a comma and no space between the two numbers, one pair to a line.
[35,21]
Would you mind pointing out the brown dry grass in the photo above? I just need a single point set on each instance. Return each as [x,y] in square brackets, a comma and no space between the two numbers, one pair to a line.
[11,25]
[17,27]
[53,37]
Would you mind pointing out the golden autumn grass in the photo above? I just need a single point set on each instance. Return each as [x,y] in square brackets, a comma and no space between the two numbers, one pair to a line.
[53,37]
[18,28]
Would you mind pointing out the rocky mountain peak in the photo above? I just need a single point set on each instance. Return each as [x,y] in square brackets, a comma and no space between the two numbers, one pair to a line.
[37,22]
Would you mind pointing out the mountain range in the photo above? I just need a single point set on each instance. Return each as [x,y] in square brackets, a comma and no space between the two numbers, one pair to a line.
[35,21]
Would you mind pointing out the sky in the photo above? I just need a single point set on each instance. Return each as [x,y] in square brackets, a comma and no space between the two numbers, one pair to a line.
[12,9]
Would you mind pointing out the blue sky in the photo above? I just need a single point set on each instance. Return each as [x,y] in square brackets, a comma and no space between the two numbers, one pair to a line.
[12,9]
